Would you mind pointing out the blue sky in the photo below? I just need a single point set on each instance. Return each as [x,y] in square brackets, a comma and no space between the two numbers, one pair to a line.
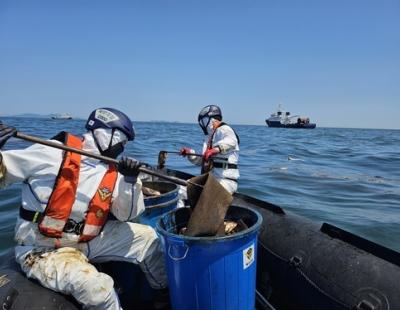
[337,62]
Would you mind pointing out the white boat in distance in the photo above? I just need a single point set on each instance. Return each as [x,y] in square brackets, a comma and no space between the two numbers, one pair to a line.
[62,116]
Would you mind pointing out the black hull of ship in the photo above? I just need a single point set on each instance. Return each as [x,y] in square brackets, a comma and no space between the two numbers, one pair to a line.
[295,125]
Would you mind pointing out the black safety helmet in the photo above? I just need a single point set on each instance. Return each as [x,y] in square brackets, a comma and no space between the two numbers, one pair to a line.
[111,118]
[205,115]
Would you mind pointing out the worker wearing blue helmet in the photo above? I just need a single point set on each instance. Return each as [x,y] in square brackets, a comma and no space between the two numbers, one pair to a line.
[63,223]
[115,126]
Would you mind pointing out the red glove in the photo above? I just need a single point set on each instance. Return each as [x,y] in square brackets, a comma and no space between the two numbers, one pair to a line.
[185,151]
[209,153]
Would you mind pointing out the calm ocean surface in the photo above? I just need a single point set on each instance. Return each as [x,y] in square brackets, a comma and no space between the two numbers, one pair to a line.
[346,177]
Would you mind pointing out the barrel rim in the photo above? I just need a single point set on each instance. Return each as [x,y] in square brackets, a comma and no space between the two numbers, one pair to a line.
[162,205]
[238,235]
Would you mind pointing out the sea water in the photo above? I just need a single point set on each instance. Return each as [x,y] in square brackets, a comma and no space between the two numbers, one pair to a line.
[346,177]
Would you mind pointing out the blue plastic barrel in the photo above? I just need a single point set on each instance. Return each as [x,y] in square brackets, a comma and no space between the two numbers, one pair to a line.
[155,206]
[211,272]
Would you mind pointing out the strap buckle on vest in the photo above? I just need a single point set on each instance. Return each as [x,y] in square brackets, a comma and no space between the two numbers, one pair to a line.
[73,227]
[36,216]
[224,165]
[32,216]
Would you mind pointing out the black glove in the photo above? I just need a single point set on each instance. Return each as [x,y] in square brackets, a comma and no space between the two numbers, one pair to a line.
[6,132]
[129,167]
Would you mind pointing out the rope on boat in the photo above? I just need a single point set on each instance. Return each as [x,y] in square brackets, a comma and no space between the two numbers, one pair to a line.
[297,267]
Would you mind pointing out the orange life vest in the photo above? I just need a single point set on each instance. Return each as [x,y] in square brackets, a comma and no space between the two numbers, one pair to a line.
[62,198]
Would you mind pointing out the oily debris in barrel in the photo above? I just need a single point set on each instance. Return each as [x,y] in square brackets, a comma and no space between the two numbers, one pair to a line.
[147,191]
[233,227]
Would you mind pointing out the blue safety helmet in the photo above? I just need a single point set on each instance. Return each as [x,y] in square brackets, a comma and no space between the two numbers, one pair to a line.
[111,118]
[205,115]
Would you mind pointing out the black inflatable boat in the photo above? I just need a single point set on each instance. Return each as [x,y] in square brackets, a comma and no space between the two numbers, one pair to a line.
[301,265]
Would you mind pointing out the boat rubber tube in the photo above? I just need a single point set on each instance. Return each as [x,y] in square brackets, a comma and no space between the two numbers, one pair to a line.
[301,267]
[19,292]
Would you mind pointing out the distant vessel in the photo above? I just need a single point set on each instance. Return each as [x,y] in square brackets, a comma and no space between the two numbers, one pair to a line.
[283,119]
[62,116]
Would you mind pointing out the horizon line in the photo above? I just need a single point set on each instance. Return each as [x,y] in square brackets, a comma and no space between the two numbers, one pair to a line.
[41,116]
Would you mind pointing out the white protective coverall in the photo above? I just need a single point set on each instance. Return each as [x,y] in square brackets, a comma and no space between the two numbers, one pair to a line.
[67,269]
[225,138]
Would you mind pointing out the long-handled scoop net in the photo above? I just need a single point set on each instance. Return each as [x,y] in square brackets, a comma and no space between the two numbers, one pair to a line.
[100,157]
[209,199]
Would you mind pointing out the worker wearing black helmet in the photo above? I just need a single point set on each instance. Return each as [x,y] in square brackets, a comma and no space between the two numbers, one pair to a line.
[221,141]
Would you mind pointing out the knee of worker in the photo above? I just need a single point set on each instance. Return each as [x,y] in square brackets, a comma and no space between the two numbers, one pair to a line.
[153,265]
[182,196]
[151,243]
[148,234]
[93,288]
[181,204]
[229,185]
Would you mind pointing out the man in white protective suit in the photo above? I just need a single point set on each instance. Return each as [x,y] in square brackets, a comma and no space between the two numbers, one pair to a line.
[63,222]
[221,141]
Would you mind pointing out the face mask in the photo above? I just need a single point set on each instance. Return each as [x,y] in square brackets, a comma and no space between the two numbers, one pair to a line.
[206,125]
[114,151]
[210,127]
[110,143]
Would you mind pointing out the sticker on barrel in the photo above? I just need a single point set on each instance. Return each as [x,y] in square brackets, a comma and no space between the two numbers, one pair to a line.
[248,256]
